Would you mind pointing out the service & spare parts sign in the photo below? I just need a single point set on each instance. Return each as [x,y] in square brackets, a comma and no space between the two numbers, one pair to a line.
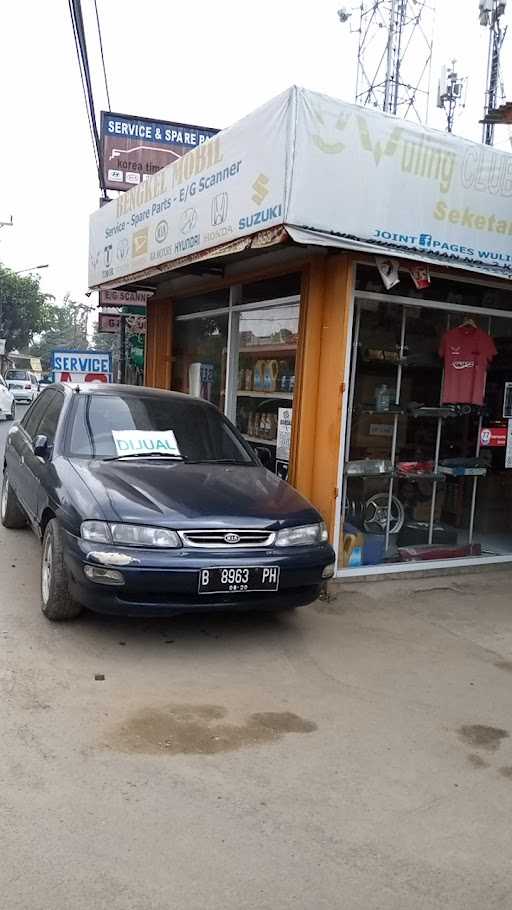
[135,148]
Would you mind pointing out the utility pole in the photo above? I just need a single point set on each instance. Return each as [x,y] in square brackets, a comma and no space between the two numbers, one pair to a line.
[490,14]
[450,93]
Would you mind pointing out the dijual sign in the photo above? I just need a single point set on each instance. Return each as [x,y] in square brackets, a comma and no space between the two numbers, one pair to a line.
[146,442]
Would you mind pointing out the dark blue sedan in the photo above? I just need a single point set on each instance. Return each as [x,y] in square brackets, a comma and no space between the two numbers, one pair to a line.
[150,503]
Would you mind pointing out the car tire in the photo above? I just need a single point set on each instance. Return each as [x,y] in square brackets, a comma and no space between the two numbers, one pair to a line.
[56,601]
[12,415]
[11,513]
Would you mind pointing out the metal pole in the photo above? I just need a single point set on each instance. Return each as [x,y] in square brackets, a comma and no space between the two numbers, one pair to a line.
[352,382]
[434,486]
[122,349]
[389,57]
[395,425]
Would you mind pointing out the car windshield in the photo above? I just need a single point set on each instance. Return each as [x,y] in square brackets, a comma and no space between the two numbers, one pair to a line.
[201,433]
[16,374]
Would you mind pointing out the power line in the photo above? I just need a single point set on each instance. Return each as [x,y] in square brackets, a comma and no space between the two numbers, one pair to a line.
[77,48]
[75,10]
[102,56]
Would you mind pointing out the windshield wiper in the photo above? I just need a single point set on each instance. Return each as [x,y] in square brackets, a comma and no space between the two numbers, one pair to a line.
[143,455]
[217,461]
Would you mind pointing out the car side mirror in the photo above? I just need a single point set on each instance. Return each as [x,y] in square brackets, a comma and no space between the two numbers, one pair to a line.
[41,447]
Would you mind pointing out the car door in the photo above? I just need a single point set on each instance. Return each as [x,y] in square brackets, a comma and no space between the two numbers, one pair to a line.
[5,398]
[19,443]
[36,469]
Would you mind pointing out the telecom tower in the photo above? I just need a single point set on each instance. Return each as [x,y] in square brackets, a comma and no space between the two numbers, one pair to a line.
[490,13]
[394,54]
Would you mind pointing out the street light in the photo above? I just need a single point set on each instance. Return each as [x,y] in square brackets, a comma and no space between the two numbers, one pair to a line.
[32,269]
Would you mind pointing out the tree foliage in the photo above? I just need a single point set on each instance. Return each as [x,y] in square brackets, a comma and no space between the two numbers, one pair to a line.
[66,330]
[24,309]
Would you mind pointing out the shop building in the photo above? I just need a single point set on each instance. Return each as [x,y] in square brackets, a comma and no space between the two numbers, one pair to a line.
[338,283]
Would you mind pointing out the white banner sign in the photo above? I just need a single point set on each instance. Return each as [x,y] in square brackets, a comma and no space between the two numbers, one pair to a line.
[227,188]
[333,173]
[368,176]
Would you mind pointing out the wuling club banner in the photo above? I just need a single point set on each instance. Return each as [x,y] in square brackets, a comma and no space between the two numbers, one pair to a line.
[331,173]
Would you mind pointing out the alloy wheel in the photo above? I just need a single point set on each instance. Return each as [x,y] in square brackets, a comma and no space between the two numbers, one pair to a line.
[47,569]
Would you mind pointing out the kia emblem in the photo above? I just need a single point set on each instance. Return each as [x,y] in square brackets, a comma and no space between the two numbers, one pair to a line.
[231,538]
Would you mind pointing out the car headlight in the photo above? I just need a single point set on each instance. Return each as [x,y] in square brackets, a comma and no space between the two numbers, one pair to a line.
[142,536]
[96,531]
[129,535]
[303,536]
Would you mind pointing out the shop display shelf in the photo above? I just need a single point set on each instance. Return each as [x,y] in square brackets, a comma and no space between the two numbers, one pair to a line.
[262,349]
[375,475]
[287,396]
[389,413]
[259,440]
[439,478]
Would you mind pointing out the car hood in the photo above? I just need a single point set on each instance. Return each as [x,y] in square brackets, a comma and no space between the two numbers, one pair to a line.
[193,496]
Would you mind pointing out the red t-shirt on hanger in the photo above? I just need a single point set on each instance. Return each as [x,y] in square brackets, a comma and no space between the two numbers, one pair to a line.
[467,352]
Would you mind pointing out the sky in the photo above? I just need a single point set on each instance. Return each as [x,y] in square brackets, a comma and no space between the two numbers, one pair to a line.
[208,63]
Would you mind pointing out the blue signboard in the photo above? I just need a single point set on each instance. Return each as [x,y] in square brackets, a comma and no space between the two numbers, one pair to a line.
[134,148]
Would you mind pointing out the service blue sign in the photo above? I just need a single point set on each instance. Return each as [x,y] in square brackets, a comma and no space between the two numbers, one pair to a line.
[82,366]
[134,148]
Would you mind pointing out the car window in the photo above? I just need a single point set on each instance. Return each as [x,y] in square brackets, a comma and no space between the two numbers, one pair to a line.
[16,374]
[47,426]
[31,419]
[202,433]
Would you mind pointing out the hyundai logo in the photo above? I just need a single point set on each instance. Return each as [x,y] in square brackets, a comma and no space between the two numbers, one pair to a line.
[231,538]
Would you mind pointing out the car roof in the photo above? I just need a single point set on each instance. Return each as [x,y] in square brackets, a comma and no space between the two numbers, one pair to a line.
[104,388]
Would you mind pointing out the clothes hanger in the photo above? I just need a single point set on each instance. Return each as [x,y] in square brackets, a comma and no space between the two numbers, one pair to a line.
[468,321]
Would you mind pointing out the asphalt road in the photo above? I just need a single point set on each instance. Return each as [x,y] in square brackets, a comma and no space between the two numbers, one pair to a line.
[356,755]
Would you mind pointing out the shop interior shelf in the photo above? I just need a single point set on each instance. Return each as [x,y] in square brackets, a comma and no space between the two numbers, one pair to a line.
[389,413]
[262,349]
[376,476]
[259,440]
[439,478]
[288,396]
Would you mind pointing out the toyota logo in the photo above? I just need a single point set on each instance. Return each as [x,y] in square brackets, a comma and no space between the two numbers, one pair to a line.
[231,538]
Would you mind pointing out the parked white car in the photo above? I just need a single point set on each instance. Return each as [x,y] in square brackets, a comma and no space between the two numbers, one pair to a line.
[23,384]
[7,402]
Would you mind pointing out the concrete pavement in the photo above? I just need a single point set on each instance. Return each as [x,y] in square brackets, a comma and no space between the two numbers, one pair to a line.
[355,755]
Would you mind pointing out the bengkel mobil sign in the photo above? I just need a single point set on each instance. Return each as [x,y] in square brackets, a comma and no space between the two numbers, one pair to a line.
[327,172]
[82,366]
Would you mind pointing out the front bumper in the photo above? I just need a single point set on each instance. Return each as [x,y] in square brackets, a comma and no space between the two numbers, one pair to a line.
[166,582]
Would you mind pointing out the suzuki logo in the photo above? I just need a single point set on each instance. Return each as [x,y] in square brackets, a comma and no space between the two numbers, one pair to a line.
[260,187]
[219,209]
[231,537]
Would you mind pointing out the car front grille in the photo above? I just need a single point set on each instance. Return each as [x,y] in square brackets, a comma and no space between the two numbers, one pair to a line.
[227,539]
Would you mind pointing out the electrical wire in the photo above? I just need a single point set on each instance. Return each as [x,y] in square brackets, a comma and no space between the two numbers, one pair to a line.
[77,48]
[75,10]
[102,55]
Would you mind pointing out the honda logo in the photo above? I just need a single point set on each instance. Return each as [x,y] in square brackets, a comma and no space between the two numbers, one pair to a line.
[219,209]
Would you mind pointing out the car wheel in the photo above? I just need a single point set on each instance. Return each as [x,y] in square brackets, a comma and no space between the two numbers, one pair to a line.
[56,601]
[11,513]
[12,415]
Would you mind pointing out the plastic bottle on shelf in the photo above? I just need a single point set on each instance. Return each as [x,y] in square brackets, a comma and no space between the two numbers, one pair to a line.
[382,398]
